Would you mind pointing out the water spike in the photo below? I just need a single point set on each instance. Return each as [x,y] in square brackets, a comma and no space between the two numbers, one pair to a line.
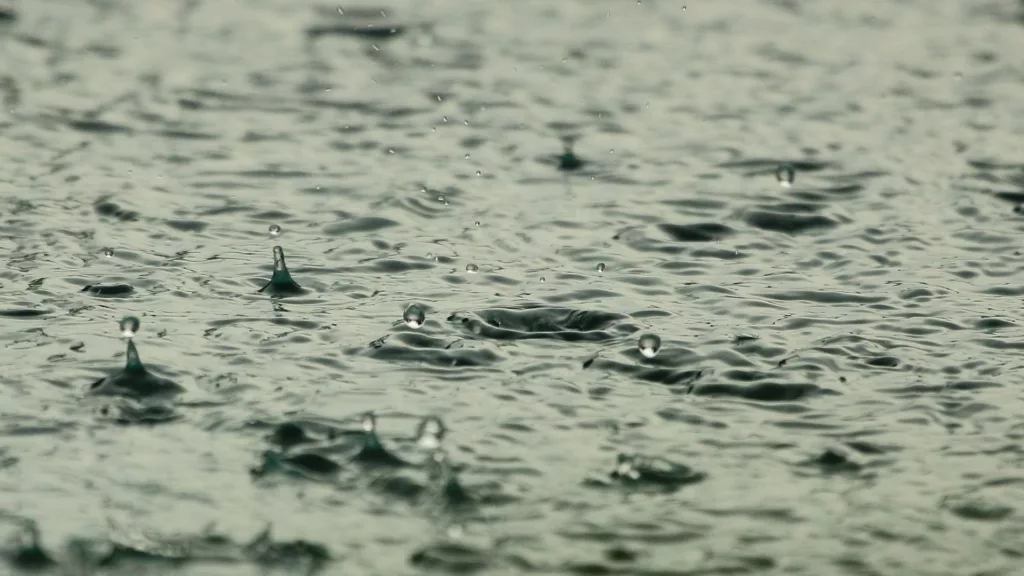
[132,361]
[281,283]
[279,265]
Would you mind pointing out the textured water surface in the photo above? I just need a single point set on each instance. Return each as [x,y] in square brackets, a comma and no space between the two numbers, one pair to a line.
[837,388]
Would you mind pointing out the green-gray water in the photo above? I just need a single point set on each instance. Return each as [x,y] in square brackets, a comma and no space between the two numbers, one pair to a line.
[836,389]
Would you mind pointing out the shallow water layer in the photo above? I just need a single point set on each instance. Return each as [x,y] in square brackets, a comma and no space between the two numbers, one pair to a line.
[836,389]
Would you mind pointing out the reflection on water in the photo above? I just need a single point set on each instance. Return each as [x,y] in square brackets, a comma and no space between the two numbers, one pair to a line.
[577,287]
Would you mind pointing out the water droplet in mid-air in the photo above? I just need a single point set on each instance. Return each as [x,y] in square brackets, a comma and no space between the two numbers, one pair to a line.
[430,433]
[600,267]
[108,252]
[472,268]
[129,326]
[369,423]
[275,230]
[649,345]
[785,175]
[414,316]
[477,223]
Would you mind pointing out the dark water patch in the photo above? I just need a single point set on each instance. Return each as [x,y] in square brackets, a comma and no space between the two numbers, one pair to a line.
[22,313]
[705,232]
[790,223]
[359,225]
[764,391]
[109,290]
[187,225]
[110,209]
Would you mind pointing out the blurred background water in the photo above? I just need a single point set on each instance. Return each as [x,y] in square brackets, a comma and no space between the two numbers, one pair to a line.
[809,206]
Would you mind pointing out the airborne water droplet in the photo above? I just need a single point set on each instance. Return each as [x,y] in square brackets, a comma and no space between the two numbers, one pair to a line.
[472,268]
[108,252]
[600,267]
[129,326]
[430,433]
[649,345]
[414,316]
[785,174]
[275,230]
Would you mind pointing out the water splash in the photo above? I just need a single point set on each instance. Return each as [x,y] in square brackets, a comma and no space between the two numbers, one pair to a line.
[281,283]
[134,380]
[372,451]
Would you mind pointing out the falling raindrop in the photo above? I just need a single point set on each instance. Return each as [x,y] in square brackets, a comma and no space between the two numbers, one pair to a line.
[600,267]
[275,230]
[785,174]
[108,252]
[472,268]
[129,326]
[649,345]
[414,316]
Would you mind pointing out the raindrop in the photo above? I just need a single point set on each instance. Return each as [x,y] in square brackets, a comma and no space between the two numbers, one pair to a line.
[369,423]
[600,267]
[785,175]
[472,268]
[477,223]
[341,11]
[129,326]
[649,345]
[478,173]
[445,118]
[467,156]
[430,433]
[108,252]
[414,316]
[466,122]
[275,230]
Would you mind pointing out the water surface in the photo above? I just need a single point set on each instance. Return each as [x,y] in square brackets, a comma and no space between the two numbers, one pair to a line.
[836,390]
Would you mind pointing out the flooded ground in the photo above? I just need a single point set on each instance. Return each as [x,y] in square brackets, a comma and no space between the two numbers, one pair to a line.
[760,316]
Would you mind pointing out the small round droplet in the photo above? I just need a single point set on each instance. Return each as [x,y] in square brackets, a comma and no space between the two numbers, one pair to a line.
[600,267]
[414,316]
[129,326]
[275,230]
[542,280]
[369,423]
[649,345]
[467,156]
[108,252]
[430,433]
[785,174]
[472,268]
[478,173]
[477,223]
